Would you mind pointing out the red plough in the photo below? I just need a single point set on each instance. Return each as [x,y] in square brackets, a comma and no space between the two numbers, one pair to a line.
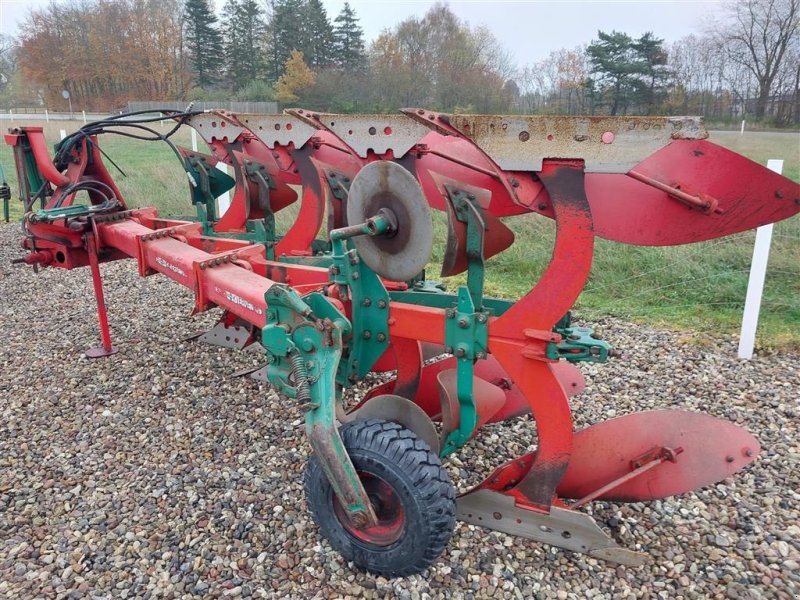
[342,293]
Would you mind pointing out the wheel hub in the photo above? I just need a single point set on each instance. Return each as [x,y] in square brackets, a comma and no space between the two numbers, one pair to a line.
[388,510]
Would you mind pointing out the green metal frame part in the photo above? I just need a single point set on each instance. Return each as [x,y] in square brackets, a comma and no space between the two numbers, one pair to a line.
[303,340]
[466,327]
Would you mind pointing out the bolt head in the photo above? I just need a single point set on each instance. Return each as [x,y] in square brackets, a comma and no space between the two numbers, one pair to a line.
[358,519]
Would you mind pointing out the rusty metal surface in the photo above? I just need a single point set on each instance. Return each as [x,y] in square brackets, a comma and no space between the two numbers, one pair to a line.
[606,144]
[214,125]
[235,336]
[385,185]
[563,528]
[396,409]
[378,133]
[280,129]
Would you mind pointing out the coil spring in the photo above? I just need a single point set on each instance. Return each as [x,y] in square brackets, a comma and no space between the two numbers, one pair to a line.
[300,377]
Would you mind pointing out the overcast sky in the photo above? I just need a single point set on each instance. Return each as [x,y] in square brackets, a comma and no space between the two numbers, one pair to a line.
[528,29]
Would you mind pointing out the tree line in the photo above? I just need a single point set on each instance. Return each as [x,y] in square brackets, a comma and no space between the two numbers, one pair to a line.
[105,52]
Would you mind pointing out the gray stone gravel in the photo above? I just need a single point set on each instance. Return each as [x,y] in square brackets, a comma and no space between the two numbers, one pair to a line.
[154,474]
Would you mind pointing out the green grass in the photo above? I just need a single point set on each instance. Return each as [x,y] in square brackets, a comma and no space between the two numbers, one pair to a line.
[699,287]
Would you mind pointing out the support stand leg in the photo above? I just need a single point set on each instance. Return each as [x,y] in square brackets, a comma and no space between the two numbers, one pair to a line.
[106,349]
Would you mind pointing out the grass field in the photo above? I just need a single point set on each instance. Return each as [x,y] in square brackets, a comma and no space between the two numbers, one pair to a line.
[699,287]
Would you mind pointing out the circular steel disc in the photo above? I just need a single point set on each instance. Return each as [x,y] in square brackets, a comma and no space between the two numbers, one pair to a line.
[403,254]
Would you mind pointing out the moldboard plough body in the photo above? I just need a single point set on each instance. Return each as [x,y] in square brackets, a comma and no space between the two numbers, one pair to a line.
[341,294]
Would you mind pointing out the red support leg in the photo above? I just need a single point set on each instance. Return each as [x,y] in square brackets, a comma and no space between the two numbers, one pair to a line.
[106,349]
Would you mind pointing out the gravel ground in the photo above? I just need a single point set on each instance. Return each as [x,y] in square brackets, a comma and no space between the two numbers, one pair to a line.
[156,474]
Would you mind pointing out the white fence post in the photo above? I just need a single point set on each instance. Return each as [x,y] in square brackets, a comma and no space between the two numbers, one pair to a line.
[46,115]
[84,116]
[742,130]
[755,285]
[63,133]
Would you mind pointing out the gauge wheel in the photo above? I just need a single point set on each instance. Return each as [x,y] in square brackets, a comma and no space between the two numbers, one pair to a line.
[411,494]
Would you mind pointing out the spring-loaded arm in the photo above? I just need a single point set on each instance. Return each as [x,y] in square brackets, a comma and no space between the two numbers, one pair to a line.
[303,337]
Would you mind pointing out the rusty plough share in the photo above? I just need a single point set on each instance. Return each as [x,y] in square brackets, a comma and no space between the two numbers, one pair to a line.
[330,309]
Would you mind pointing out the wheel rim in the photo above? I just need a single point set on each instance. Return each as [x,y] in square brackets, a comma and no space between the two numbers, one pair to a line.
[388,510]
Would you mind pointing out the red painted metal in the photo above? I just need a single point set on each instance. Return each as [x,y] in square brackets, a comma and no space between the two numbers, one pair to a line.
[640,466]
[388,509]
[713,450]
[102,315]
[688,190]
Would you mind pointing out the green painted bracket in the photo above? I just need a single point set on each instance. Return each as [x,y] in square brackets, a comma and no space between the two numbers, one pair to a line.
[466,326]
[370,310]
[579,344]
[339,184]
[435,297]
[209,183]
[258,174]
[303,340]
[467,337]
[66,212]
[466,209]
[34,180]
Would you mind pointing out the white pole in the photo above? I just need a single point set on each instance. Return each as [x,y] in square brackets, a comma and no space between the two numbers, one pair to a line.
[742,130]
[63,133]
[46,115]
[84,116]
[224,199]
[194,139]
[755,285]
[10,114]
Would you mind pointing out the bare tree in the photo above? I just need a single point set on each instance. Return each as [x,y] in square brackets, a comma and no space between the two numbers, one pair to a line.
[757,36]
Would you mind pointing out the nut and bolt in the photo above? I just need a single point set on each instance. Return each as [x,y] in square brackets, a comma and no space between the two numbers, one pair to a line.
[366,334]
[355,275]
[366,302]
[381,337]
[461,352]
[358,519]
[381,303]
[482,318]
[463,323]
[450,313]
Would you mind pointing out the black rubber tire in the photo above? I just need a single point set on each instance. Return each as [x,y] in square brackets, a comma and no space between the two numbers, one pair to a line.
[423,486]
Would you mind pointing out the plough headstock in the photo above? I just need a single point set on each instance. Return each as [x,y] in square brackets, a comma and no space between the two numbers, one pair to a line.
[330,311]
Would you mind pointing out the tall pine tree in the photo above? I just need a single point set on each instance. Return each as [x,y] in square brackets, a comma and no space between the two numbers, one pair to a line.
[318,42]
[287,33]
[203,41]
[348,40]
[245,31]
